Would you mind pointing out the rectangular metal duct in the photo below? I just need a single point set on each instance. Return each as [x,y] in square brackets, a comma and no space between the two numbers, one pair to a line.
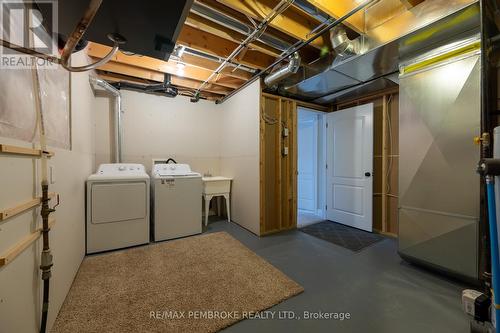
[411,31]
[150,27]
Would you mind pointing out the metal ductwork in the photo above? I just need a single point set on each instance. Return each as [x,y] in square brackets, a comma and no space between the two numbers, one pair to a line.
[378,52]
[343,46]
[291,68]
[118,131]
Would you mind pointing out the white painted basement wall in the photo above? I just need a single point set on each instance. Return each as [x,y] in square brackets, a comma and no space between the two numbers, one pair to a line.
[220,139]
[20,283]
[240,157]
[162,127]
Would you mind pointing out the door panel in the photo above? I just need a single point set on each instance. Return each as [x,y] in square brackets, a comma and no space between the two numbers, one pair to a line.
[307,163]
[350,166]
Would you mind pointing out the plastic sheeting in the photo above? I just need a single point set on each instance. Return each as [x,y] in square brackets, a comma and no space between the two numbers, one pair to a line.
[17,109]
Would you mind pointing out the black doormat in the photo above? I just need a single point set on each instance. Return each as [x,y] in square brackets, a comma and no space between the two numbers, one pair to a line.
[339,234]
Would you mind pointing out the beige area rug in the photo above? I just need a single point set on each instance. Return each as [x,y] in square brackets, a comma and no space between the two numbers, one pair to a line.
[177,286]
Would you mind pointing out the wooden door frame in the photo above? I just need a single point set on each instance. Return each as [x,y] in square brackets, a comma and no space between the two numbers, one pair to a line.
[291,160]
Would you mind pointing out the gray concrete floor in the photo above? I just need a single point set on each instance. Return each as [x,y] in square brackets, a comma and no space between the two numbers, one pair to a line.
[304,219]
[381,292]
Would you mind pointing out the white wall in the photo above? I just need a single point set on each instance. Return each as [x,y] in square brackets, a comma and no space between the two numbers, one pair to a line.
[158,126]
[307,164]
[20,283]
[321,159]
[240,155]
[220,139]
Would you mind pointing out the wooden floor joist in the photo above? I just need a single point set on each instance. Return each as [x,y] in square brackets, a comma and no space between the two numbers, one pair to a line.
[207,25]
[22,245]
[113,77]
[220,47]
[291,21]
[13,211]
[135,63]
[16,150]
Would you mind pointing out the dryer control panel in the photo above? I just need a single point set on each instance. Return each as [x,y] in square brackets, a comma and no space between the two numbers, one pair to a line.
[121,169]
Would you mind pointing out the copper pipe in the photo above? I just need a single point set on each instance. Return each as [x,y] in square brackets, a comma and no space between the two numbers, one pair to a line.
[78,33]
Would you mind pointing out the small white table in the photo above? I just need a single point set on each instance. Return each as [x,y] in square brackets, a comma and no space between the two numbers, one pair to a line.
[213,187]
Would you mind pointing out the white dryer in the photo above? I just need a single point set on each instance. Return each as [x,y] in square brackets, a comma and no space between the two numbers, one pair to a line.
[177,193]
[117,207]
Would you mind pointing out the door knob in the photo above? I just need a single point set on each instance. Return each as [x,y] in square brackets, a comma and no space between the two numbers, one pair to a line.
[367,174]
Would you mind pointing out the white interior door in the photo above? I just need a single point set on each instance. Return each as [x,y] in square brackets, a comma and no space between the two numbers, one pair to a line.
[349,155]
[307,161]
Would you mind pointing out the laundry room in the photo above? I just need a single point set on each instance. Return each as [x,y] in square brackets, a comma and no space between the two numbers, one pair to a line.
[249,165]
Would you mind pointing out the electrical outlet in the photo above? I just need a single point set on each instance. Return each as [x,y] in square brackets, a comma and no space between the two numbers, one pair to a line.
[285,132]
[285,151]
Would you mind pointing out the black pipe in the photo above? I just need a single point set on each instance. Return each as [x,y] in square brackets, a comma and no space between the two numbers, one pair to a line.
[157,89]
[164,89]
[46,261]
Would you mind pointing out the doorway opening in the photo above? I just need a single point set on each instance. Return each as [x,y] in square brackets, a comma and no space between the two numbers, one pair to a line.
[310,167]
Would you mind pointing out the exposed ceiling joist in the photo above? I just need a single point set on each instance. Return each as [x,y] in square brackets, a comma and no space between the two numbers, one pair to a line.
[292,21]
[229,71]
[309,52]
[113,77]
[338,9]
[212,44]
[150,75]
[204,24]
[197,73]
[411,3]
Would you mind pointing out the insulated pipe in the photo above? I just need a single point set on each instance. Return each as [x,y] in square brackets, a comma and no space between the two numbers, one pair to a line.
[285,71]
[117,114]
[495,264]
[297,46]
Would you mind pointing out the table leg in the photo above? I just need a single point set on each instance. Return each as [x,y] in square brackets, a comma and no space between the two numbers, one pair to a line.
[228,207]
[207,207]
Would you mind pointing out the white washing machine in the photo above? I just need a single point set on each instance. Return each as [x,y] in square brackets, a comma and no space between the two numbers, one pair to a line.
[117,207]
[177,195]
